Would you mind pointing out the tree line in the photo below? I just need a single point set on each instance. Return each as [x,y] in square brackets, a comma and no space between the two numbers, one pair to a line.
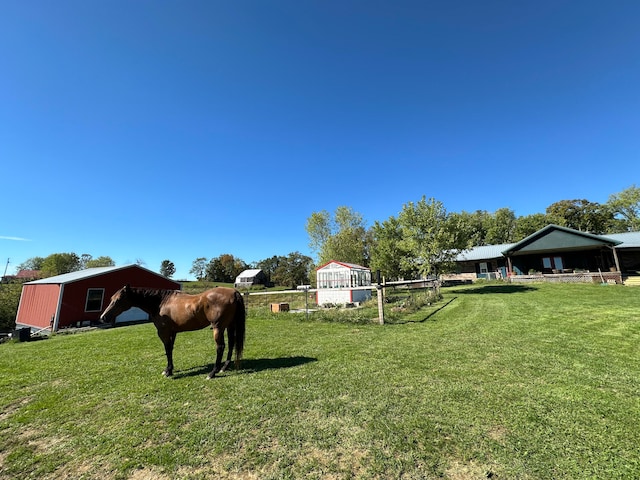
[423,239]
[284,270]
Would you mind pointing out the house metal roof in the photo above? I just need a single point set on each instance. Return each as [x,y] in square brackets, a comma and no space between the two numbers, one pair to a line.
[484,252]
[628,239]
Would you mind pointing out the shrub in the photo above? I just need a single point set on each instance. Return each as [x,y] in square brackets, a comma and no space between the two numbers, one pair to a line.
[9,300]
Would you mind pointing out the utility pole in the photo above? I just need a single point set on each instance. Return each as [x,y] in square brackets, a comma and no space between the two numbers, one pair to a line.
[5,268]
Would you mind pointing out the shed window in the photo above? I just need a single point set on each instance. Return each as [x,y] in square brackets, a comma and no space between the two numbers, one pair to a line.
[94,300]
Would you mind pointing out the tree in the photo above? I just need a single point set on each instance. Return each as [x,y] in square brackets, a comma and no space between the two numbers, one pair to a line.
[9,300]
[386,252]
[581,215]
[198,268]
[293,270]
[502,227]
[343,237]
[472,227]
[102,261]
[224,268]
[167,268]
[528,225]
[625,206]
[269,266]
[33,263]
[60,263]
[427,237]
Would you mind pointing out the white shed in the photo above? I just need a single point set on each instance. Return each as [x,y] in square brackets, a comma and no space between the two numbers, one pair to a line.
[254,276]
[340,283]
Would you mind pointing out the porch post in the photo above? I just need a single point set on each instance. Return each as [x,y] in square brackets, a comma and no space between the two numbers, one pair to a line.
[615,258]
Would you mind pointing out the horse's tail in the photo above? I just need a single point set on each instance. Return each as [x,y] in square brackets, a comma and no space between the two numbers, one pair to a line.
[239,321]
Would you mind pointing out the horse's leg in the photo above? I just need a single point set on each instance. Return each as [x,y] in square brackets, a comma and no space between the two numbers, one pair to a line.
[218,336]
[231,336]
[168,339]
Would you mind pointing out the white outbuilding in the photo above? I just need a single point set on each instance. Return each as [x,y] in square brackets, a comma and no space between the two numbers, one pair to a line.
[340,283]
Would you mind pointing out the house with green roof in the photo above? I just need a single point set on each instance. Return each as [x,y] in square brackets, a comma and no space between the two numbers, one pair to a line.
[553,252]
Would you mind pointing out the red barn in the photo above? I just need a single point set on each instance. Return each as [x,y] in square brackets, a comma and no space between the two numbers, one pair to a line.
[77,297]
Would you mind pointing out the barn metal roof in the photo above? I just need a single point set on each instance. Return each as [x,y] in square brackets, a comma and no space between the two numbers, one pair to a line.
[83,274]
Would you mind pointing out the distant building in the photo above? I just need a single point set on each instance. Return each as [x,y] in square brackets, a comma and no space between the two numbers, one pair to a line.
[339,283]
[22,276]
[251,277]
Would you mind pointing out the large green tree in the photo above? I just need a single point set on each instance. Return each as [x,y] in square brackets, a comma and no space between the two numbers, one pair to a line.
[625,206]
[429,239]
[342,237]
[167,268]
[102,261]
[60,263]
[502,227]
[581,215]
[293,270]
[199,268]
[529,224]
[224,268]
[386,250]
[33,263]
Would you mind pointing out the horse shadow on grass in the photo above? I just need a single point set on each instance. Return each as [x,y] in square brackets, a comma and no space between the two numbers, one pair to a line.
[509,288]
[249,366]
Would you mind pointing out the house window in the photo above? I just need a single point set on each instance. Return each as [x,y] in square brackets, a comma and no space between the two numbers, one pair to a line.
[552,263]
[94,300]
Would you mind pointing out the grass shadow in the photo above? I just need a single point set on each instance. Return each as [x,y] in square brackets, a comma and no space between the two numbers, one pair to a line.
[250,366]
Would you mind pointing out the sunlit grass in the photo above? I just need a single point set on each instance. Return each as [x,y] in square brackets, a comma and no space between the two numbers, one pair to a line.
[494,381]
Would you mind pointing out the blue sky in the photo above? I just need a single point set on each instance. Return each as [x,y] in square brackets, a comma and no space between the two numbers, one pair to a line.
[157,130]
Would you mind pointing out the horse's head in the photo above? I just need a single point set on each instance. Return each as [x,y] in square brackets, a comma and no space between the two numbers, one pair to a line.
[120,301]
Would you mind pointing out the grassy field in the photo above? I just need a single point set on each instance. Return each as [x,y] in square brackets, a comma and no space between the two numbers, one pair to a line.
[496,381]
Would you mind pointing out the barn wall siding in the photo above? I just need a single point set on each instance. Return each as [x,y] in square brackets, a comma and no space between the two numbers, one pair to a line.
[38,304]
[75,294]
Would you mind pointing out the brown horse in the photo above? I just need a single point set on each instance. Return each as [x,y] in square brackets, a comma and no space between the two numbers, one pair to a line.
[173,311]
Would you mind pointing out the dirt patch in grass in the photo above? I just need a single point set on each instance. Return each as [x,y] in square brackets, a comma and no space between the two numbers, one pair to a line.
[458,470]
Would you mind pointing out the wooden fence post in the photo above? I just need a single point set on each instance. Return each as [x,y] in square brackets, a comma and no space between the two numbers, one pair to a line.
[380,294]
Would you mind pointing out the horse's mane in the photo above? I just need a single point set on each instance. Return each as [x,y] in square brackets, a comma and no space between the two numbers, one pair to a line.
[159,293]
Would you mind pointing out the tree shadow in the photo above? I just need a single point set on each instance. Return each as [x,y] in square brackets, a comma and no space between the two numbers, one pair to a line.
[509,288]
[249,366]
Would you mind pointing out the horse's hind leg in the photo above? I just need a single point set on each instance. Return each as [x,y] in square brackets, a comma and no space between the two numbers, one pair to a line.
[168,339]
[231,336]
[218,336]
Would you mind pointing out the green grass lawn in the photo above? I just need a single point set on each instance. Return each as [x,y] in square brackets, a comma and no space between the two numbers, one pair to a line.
[496,381]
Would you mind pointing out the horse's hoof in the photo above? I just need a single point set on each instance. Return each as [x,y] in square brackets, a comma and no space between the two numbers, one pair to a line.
[210,376]
[166,374]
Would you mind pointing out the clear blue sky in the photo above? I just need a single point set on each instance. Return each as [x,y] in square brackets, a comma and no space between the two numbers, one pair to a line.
[174,130]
